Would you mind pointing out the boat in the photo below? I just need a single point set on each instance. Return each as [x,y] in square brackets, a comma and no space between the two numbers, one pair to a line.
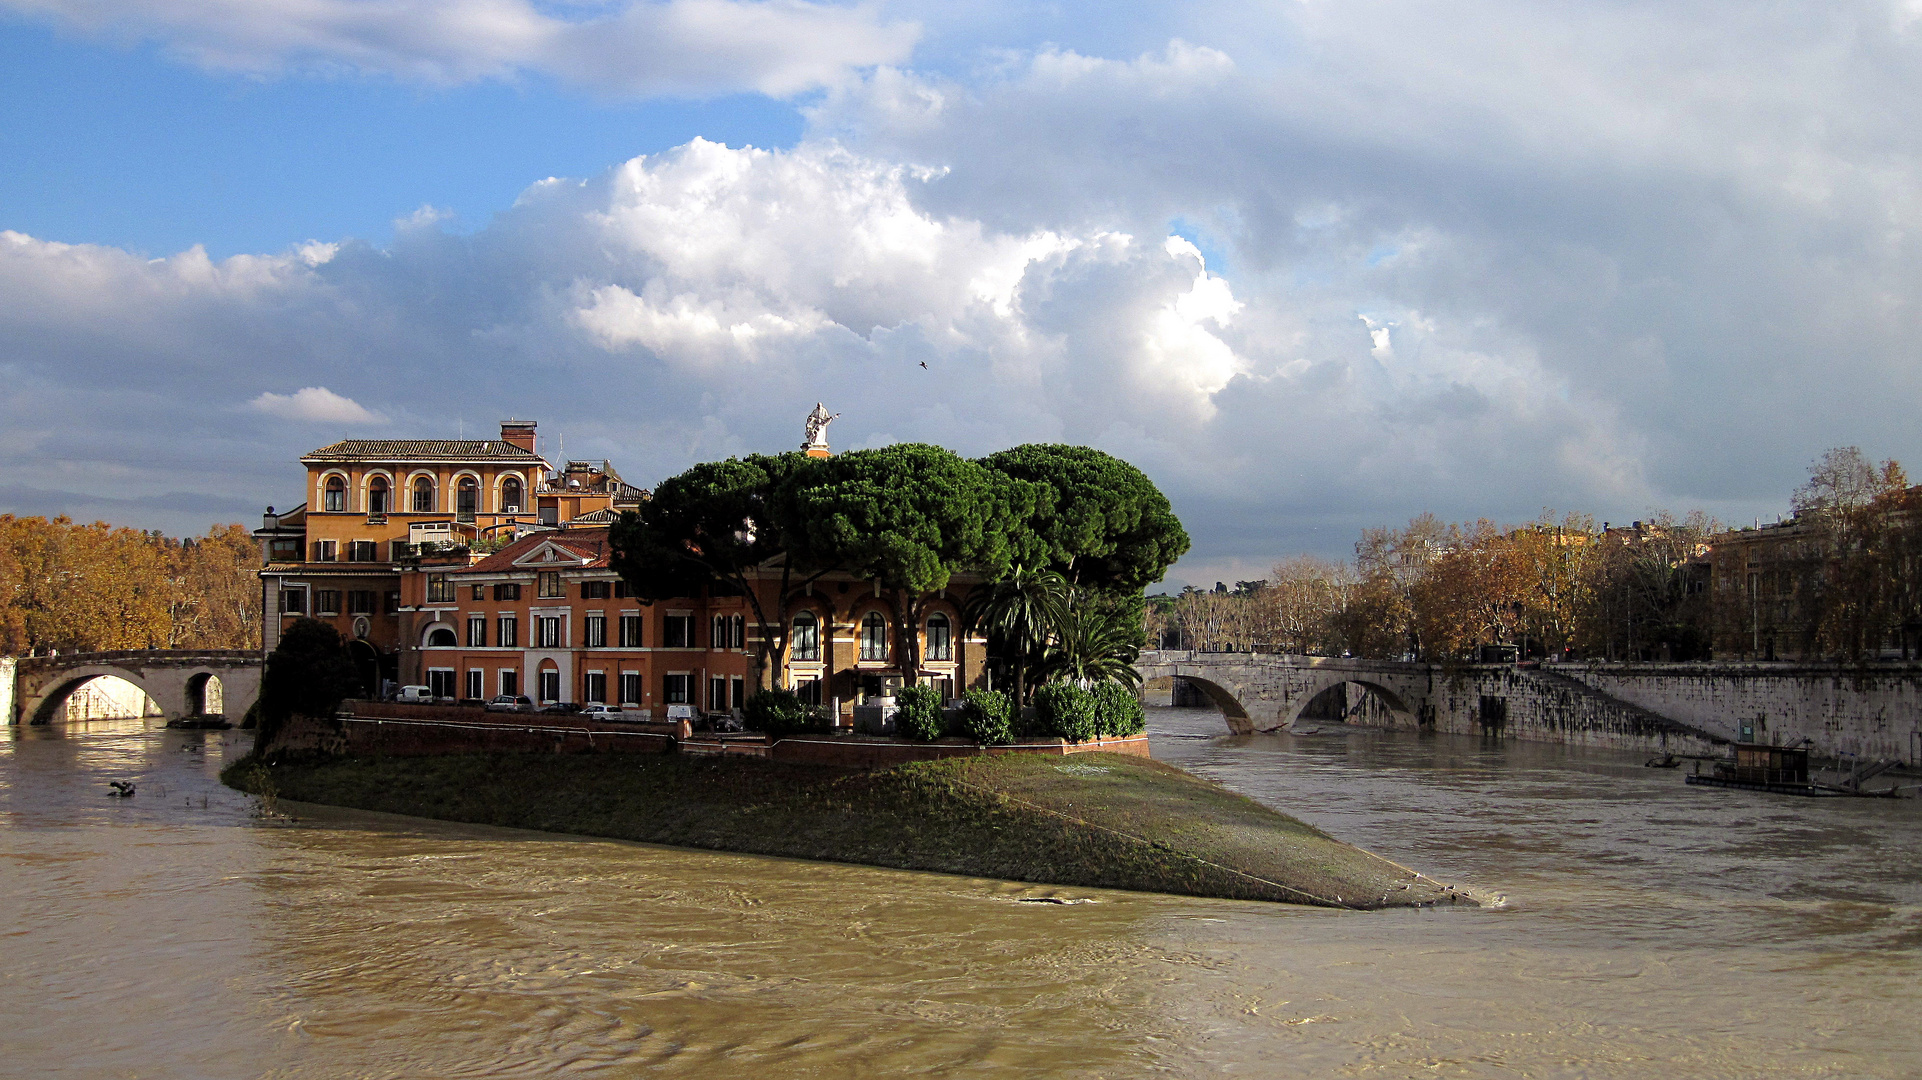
[1781,770]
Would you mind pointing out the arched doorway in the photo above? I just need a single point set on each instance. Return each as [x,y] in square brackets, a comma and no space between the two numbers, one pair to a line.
[367,665]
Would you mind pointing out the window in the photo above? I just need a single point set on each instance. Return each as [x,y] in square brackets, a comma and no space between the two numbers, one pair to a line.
[377,497]
[729,632]
[507,632]
[808,690]
[286,551]
[325,551]
[476,685]
[477,631]
[940,637]
[293,601]
[393,601]
[360,602]
[594,687]
[674,689]
[630,688]
[441,637]
[717,632]
[511,496]
[595,590]
[717,693]
[509,591]
[363,551]
[467,499]
[549,582]
[510,682]
[550,685]
[807,636]
[630,631]
[423,495]
[594,632]
[439,589]
[550,629]
[326,601]
[874,637]
[336,499]
[740,691]
[480,592]
[440,682]
[621,591]
[677,632]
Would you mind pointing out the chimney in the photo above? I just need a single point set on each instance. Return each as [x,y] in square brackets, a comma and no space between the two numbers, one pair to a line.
[519,433]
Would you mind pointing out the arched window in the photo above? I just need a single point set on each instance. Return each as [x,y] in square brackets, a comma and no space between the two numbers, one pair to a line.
[807,637]
[377,496]
[423,495]
[940,637]
[441,637]
[511,496]
[467,501]
[336,494]
[874,637]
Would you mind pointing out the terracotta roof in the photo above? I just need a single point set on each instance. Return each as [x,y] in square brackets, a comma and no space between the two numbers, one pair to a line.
[590,544]
[422,450]
[607,515]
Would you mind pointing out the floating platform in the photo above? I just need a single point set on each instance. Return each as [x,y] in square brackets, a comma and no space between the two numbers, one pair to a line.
[1757,785]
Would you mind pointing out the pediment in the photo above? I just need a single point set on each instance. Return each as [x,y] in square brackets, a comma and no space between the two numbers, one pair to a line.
[550,554]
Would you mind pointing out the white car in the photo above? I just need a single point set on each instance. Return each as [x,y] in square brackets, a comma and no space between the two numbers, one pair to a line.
[595,708]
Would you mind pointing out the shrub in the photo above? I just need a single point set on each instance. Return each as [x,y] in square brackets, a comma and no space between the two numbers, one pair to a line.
[987,717]
[308,674]
[1064,709]
[1117,710]
[778,713]
[919,715]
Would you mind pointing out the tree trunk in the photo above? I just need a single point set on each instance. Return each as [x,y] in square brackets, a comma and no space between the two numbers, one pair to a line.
[907,651]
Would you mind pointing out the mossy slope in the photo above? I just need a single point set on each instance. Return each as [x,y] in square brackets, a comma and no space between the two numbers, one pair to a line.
[1099,820]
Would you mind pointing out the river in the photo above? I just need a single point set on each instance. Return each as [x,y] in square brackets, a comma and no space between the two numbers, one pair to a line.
[1651,929]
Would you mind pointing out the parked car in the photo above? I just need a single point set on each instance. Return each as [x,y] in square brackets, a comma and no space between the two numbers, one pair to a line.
[416,694]
[510,703]
[563,707]
[595,708]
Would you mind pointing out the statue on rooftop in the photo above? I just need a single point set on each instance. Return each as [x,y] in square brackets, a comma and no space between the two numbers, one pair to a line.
[818,422]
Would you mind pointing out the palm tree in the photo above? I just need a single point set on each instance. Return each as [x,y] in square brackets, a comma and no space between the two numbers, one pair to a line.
[1093,645]
[1022,608]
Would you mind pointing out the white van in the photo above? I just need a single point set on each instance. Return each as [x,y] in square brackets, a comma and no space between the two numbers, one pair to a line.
[419,694]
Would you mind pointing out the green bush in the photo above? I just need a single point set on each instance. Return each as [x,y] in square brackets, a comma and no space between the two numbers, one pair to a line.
[1066,710]
[987,717]
[919,715]
[778,713]
[1117,710]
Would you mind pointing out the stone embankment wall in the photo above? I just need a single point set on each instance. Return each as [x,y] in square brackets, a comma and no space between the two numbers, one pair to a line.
[857,753]
[1874,711]
[402,730]
[1505,701]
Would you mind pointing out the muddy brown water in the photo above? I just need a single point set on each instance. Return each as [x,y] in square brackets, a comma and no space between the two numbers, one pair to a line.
[1652,929]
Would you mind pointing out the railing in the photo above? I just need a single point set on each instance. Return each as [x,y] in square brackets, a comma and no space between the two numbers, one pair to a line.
[139,654]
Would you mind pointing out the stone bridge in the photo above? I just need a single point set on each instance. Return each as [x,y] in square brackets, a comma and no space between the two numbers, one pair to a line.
[1866,710]
[181,682]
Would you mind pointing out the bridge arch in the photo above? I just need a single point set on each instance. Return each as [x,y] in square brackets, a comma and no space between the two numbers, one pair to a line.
[206,696]
[176,683]
[48,706]
[1224,699]
[1400,714]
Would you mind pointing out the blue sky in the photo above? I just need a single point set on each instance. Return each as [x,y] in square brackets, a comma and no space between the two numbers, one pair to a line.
[1314,266]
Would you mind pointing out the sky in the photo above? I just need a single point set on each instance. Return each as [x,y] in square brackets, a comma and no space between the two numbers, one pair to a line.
[1313,266]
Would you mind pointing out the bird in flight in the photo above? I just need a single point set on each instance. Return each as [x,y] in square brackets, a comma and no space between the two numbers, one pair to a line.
[924,364]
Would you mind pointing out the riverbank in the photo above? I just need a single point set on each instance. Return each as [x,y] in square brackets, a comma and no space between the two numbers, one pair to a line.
[1098,820]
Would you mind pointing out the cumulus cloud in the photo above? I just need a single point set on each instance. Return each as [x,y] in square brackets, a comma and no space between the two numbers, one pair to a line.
[644,47]
[1479,261]
[315,405]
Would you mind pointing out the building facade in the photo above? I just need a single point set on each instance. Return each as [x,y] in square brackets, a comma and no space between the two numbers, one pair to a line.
[373,504]
[548,618]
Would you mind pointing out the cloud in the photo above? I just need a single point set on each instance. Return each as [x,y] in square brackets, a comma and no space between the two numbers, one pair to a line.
[635,47]
[1476,261]
[314,405]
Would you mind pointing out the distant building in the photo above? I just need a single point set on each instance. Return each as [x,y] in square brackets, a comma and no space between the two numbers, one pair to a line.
[1767,584]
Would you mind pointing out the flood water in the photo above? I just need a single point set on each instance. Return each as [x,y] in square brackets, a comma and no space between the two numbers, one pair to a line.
[1652,929]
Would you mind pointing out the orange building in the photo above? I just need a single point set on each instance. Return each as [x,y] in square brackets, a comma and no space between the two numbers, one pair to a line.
[373,503]
[547,617]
